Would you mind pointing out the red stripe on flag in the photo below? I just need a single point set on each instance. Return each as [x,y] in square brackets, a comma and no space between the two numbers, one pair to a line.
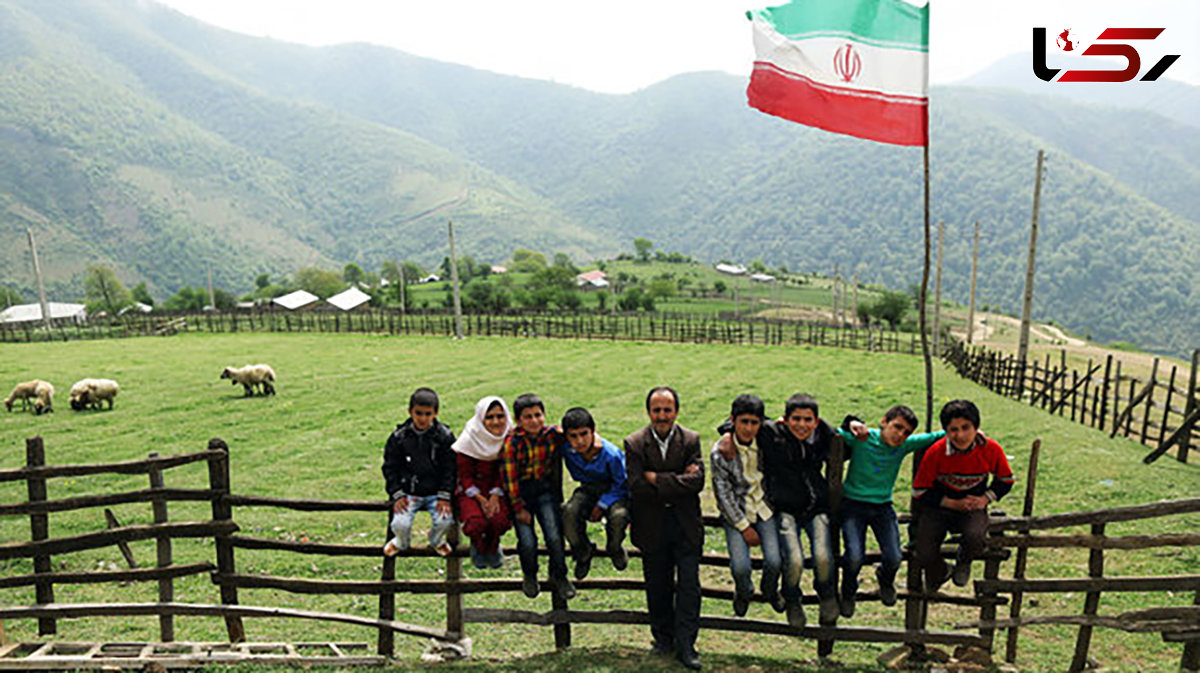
[801,100]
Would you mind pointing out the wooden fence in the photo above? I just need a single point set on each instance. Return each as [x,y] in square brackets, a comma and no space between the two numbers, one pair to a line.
[990,592]
[667,327]
[1161,411]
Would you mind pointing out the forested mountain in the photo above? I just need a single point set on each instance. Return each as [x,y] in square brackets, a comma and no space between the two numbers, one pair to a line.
[134,135]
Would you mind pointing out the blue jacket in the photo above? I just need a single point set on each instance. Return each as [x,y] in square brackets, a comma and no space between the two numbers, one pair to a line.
[607,467]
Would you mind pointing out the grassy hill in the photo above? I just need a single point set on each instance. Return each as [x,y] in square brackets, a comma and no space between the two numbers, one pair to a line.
[340,395]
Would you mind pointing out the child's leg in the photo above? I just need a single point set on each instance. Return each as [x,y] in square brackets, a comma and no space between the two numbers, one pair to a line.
[974,527]
[821,538]
[887,534]
[615,524]
[739,562]
[575,519]
[791,554]
[854,541]
[548,513]
[932,523]
[402,524]
[440,524]
[527,544]
[768,533]
[500,522]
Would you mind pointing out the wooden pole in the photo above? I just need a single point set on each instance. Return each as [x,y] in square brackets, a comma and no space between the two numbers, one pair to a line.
[854,318]
[166,586]
[39,529]
[1027,307]
[1185,441]
[212,298]
[41,286]
[458,330]
[974,268]
[1091,603]
[937,292]
[1010,652]
[218,479]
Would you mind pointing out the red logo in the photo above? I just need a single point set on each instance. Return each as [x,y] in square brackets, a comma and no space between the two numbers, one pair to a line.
[847,63]
[1133,60]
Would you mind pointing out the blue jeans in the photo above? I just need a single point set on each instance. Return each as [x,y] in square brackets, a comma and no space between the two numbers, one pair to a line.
[820,542]
[402,521]
[542,503]
[881,517]
[739,558]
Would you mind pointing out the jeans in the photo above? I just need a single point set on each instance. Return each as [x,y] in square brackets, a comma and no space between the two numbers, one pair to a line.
[402,521]
[579,508]
[856,517]
[542,504]
[739,558]
[820,541]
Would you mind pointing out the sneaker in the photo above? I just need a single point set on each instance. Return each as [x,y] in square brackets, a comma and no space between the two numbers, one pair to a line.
[583,564]
[740,605]
[962,573]
[391,548]
[846,605]
[497,559]
[480,561]
[564,588]
[529,585]
[777,602]
[829,611]
[932,585]
[887,593]
[795,615]
[619,558]
[444,549]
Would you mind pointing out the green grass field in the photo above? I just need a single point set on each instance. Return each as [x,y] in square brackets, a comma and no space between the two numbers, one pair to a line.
[340,395]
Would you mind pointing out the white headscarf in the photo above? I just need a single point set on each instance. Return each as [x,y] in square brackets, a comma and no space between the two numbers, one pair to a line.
[475,440]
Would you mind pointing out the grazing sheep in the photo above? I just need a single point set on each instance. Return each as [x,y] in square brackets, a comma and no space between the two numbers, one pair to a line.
[91,392]
[251,376]
[43,398]
[24,392]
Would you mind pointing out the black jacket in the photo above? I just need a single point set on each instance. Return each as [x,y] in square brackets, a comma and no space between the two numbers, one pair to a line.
[793,471]
[420,464]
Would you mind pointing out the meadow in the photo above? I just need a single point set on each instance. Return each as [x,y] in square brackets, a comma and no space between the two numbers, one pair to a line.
[340,395]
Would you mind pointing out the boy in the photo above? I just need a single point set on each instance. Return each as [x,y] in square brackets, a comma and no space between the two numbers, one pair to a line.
[599,467]
[875,458]
[952,492]
[533,482]
[419,469]
[742,500]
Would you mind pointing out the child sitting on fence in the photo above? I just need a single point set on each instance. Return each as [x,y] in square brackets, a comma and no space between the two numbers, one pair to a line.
[741,496]
[533,482]
[599,467]
[482,507]
[418,466]
[875,458]
[951,493]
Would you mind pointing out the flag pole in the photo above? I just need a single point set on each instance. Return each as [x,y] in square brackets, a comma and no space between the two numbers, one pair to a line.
[923,303]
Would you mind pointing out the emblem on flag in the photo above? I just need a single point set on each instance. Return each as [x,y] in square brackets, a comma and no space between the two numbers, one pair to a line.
[847,63]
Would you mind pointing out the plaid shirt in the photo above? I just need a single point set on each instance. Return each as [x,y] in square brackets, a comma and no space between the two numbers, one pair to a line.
[525,458]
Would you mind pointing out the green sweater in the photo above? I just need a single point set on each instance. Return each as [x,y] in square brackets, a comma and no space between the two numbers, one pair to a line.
[874,465]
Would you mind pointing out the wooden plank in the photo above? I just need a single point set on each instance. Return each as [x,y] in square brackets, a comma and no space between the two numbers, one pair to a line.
[39,530]
[1103,542]
[1173,620]
[77,543]
[1162,429]
[1075,387]
[1181,434]
[1152,384]
[1185,442]
[129,467]
[1010,651]
[1083,585]
[1091,603]
[110,520]
[166,587]
[1190,661]
[304,505]
[1108,515]
[139,574]
[218,480]
[82,502]
[1127,415]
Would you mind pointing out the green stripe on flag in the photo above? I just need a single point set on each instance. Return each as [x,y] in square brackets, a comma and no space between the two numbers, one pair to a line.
[882,23]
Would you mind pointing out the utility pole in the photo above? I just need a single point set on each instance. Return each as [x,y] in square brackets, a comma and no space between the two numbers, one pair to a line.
[937,292]
[458,331]
[834,291]
[402,294]
[1023,346]
[974,267]
[854,317]
[37,272]
[212,299]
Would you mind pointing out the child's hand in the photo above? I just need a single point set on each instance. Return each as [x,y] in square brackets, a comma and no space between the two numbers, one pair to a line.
[443,507]
[401,505]
[975,502]
[859,430]
[490,506]
[751,537]
[596,514]
[524,517]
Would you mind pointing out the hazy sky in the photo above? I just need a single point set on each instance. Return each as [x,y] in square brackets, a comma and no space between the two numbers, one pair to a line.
[622,45]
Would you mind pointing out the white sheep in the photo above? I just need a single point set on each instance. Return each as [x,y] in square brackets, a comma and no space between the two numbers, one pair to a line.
[91,392]
[43,398]
[251,376]
[24,392]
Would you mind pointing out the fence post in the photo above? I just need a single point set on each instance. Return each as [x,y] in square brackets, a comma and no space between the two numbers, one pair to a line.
[1010,652]
[1162,429]
[218,479]
[386,644]
[39,528]
[1090,604]
[1191,650]
[1185,441]
[454,608]
[166,587]
[834,467]
[1153,383]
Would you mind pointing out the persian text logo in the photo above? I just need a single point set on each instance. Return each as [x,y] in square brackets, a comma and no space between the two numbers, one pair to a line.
[1104,45]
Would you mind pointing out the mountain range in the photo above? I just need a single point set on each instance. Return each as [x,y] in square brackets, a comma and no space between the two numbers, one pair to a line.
[134,136]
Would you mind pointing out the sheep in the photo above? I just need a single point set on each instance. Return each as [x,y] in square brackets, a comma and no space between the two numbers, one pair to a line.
[43,398]
[24,392]
[91,392]
[251,376]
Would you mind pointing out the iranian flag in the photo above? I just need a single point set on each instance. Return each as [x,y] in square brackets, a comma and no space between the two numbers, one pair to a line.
[858,67]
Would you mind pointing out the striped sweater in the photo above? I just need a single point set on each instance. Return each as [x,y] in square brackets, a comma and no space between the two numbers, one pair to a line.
[947,472]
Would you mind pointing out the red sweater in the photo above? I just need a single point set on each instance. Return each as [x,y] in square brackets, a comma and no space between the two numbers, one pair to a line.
[946,472]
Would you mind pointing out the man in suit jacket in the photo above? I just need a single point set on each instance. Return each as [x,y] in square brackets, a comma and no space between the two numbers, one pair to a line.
[666,475]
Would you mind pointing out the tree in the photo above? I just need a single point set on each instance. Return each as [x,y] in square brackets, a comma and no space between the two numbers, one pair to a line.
[140,293]
[564,260]
[412,272]
[9,296]
[527,261]
[757,266]
[890,307]
[661,288]
[321,282]
[719,287]
[553,284]
[631,300]
[352,273]
[105,291]
[643,246]
[187,299]
[262,280]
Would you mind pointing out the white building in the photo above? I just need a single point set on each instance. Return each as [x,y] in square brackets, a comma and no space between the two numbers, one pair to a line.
[296,300]
[59,312]
[350,299]
[731,269]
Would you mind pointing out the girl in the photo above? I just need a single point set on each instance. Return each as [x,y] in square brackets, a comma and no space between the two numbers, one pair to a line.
[483,509]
